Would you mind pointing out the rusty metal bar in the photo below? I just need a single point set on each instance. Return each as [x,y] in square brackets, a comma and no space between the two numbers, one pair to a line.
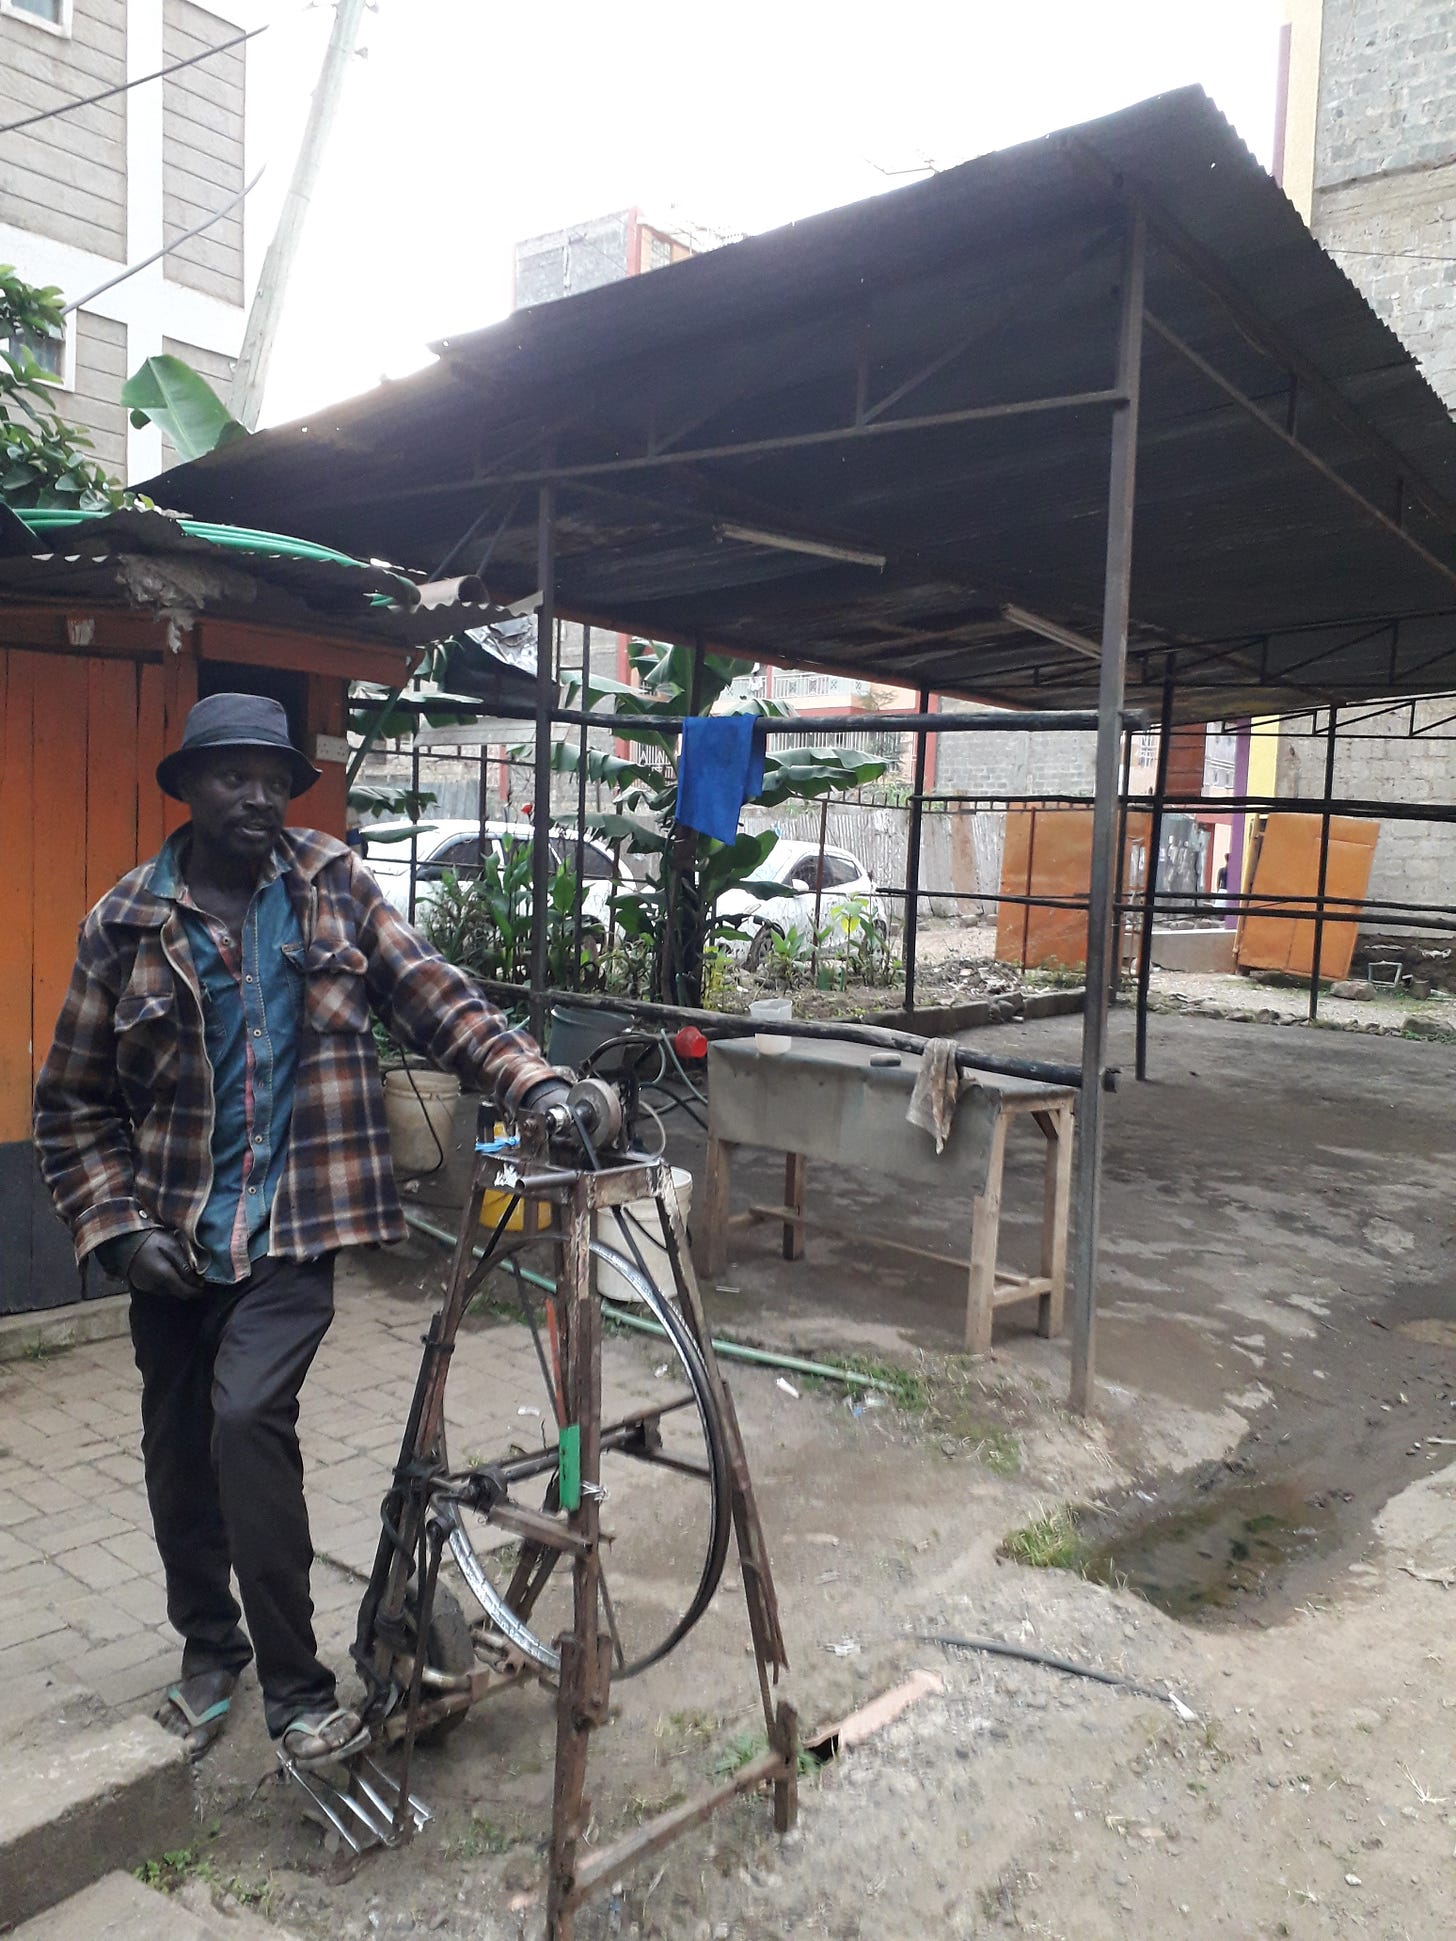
[798,441]
[912,857]
[1327,472]
[1204,268]
[1150,874]
[581,769]
[990,720]
[541,805]
[1114,981]
[1121,494]
[1324,866]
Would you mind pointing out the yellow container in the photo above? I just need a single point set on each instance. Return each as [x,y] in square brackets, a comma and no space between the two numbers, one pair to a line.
[495,1203]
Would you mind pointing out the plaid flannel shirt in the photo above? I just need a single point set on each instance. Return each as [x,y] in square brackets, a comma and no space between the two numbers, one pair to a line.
[124,1102]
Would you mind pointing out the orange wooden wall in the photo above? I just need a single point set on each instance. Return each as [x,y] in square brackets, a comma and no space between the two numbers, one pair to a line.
[1288,865]
[79,809]
[80,739]
[1048,852]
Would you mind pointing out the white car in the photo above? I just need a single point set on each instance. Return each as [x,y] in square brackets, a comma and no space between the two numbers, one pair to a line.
[451,845]
[846,897]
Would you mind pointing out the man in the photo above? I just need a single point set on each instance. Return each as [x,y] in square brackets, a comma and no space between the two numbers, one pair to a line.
[210,1123]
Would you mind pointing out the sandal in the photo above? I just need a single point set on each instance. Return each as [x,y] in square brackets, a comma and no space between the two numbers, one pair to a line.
[322,1738]
[196,1709]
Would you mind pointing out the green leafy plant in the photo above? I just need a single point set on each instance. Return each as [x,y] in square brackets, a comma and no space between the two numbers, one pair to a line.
[481,919]
[677,912]
[169,394]
[1051,1541]
[46,462]
[407,804]
[746,1746]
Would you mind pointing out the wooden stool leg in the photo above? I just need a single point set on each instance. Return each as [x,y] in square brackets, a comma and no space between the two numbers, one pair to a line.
[985,1237]
[712,1225]
[793,1199]
[711,1237]
[1056,1203]
[784,1739]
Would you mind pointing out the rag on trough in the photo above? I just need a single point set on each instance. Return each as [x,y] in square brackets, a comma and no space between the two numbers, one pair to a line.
[720,767]
[937,1090]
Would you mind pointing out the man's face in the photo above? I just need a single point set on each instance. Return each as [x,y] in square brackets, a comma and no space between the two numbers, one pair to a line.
[238,798]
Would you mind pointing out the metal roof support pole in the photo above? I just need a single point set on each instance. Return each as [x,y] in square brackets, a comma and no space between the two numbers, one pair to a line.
[1150,873]
[541,791]
[683,914]
[1121,490]
[582,764]
[1114,975]
[912,857]
[1317,950]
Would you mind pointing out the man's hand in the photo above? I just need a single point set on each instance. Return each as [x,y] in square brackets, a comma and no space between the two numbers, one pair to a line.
[161,1265]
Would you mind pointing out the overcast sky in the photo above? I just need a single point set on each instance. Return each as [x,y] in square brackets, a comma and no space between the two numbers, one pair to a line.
[470,124]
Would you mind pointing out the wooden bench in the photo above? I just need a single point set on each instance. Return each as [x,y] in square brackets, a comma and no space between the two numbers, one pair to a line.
[825,1101]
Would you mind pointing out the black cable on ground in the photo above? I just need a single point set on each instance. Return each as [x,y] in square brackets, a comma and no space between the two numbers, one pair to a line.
[998,1648]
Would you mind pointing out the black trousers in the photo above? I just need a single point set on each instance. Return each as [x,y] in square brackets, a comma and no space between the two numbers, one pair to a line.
[221,1376]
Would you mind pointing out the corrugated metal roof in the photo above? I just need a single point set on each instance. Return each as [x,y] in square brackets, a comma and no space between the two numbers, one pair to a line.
[989,284]
[139,557]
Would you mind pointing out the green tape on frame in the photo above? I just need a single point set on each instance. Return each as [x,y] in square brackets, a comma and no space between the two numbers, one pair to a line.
[568,1466]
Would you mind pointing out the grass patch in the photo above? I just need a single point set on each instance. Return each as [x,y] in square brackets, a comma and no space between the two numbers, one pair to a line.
[169,1871]
[1050,1541]
[907,1388]
[480,1837]
[41,1351]
[745,1746]
[647,1806]
[999,1451]
[676,1731]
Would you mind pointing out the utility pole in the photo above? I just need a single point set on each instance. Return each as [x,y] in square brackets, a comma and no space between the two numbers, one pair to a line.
[246,398]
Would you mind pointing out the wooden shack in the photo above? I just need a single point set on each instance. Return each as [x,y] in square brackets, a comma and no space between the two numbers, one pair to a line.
[110,629]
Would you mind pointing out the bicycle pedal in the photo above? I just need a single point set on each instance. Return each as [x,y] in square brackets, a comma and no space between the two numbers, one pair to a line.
[364,1809]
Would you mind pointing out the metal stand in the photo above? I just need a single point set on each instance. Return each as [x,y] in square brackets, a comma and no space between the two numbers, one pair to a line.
[394,1619]
[366,1810]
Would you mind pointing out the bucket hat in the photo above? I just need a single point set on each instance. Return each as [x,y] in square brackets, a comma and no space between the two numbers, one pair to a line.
[235,721]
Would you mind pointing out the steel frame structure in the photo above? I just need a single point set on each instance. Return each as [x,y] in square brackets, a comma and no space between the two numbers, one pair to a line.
[1388,494]
[1145,227]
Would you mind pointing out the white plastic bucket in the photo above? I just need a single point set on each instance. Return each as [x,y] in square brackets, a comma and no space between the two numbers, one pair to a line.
[419,1106]
[778,1009]
[647,1233]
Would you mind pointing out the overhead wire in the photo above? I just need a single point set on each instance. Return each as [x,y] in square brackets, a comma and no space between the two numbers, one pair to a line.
[124,87]
[134,269]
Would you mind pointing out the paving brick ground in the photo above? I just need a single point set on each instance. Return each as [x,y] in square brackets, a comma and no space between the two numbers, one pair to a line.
[82,1609]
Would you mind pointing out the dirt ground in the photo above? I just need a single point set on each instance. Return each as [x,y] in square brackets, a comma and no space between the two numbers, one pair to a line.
[1277,1319]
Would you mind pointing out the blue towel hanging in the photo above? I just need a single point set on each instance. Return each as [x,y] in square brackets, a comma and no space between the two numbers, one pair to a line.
[719,769]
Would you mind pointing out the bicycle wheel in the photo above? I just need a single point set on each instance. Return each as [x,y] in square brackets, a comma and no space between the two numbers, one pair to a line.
[665,1514]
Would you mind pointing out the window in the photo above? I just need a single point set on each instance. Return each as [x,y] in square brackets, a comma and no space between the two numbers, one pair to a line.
[838,871]
[55,14]
[48,352]
[461,855]
[596,864]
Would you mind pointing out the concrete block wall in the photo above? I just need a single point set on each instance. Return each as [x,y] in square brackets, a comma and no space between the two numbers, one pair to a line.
[1385,208]
[1385,166]
[1415,862]
[1015,763]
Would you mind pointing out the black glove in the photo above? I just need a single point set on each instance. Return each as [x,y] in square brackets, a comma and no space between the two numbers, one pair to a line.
[162,1265]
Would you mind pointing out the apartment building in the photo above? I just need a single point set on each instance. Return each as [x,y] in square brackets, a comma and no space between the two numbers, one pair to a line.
[91,191]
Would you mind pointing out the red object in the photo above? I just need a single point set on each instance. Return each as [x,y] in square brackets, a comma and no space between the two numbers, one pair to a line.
[690,1044]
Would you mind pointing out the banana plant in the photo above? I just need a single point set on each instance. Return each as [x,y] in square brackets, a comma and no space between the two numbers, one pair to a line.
[680,908]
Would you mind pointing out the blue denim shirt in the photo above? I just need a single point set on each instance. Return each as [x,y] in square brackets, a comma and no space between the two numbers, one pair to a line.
[252,991]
